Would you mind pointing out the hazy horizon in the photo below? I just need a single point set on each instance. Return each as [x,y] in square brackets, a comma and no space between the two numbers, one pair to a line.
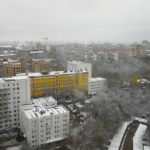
[119,21]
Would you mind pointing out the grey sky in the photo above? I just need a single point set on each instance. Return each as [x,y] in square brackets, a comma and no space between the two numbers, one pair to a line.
[82,20]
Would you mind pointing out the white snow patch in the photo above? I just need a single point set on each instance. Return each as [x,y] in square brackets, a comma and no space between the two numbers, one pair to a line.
[15,148]
[137,139]
[146,147]
[140,119]
[115,143]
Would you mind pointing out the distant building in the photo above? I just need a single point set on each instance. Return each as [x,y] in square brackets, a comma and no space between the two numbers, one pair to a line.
[40,65]
[96,84]
[8,56]
[51,49]
[11,68]
[14,92]
[77,66]
[135,50]
[44,122]
[23,62]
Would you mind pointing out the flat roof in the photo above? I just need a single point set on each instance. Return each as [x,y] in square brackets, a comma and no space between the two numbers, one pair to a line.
[40,112]
[78,62]
[41,100]
[13,78]
[97,79]
[41,59]
[42,107]
[36,52]
[36,74]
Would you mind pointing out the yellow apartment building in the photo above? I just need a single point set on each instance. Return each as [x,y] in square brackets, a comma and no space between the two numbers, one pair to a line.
[57,82]
[40,65]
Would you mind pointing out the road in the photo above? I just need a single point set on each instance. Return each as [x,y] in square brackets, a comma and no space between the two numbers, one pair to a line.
[127,140]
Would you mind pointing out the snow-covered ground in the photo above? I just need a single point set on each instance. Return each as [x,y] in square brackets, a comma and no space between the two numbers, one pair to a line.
[15,148]
[146,147]
[140,119]
[115,143]
[137,139]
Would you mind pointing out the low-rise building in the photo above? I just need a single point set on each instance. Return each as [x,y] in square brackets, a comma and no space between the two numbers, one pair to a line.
[96,84]
[78,65]
[44,122]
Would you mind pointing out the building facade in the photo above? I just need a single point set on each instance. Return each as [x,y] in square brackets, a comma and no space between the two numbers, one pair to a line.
[11,68]
[41,65]
[77,66]
[135,50]
[44,122]
[96,84]
[45,84]
[14,92]
[23,62]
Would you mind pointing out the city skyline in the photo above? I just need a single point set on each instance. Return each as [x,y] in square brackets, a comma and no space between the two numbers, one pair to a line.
[68,20]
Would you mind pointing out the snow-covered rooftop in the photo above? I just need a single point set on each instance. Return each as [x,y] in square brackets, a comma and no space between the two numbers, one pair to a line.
[39,112]
[79,105]
[40,59]
[77,62]
[36,52]
[36,74]
[12,78]
[97,79]
[44,107]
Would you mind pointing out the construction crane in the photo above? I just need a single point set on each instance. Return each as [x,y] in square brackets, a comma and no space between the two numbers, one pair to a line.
[45,38]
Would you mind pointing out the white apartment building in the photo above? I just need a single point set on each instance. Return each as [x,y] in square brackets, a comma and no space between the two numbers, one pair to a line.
[14,92]
[96,84]
[77,66]
[44,122]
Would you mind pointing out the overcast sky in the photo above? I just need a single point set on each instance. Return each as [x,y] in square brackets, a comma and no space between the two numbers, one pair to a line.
[81,20]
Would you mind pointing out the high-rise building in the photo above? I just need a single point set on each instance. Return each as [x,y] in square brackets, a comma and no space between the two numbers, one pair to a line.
[41,65]
[14,92]
[77,66]
[11,68]
[44,122]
